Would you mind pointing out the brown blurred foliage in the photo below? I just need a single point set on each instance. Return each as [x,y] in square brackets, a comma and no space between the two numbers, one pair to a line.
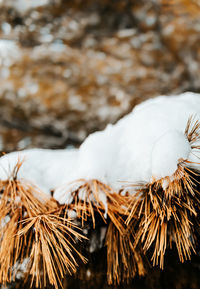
[70,67]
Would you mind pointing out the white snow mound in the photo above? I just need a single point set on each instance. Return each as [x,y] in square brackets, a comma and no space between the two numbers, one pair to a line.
[169,150]
[145,145]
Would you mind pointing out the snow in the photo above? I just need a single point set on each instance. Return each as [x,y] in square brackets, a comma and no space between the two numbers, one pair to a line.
[123,152]
[169,150]
[45,168]
[145,145]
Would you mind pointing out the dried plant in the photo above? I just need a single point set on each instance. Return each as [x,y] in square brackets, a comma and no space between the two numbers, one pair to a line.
[36,228]
[31,228]
[93,196]
[192,132]
[124,261]
[163,211]
[51,249]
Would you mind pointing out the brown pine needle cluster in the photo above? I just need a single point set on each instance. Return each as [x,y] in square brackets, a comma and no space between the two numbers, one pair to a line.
[159,214]
[124,261]
[86,199]
[94,196]
[89,199]
[32,229]
[164,211]
[52,250]
[192,132]
[153,217]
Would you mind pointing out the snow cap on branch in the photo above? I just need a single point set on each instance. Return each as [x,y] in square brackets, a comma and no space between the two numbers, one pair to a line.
[145,145]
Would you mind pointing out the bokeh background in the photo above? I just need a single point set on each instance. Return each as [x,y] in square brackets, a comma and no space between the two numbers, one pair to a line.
[69,67]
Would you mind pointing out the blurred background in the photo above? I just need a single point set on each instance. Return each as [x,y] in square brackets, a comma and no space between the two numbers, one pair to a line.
[67,68]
